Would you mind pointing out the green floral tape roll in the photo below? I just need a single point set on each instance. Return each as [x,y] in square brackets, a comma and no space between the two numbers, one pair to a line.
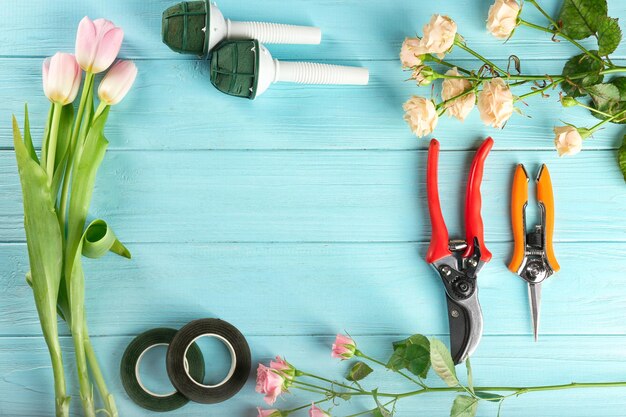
[129,370]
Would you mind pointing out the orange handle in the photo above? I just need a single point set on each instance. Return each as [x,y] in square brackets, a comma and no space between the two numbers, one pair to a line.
[519,200]
[545,198]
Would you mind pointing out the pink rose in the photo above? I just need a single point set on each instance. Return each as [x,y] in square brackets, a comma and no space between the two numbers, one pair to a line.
[343,348]
[439,35]
[502,19]
[269,382]
[411,52]
[315,411]
[268,413]
[285,369]
[568,140]
[421,115]
[97,44]
[495,102]
[452,87]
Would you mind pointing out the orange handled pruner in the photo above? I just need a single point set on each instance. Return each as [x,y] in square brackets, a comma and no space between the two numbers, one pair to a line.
[533,253]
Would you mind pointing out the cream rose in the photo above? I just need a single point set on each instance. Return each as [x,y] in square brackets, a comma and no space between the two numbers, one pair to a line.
[495,103]
[410,52]
[502,18]
[568,140]
[439,35]
[421,115]
[452,87]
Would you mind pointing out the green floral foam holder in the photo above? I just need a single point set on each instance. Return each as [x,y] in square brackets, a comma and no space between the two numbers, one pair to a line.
[184,27]
[196,27]
[235,68]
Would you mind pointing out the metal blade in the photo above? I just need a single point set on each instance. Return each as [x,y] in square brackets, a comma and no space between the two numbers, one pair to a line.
[534,297]
[466,327]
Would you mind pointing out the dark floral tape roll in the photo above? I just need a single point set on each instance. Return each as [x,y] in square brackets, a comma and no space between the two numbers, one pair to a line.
[129,370]
[194,388]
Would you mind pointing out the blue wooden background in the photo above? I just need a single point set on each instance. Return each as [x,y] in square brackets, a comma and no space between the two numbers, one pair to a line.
[303,213]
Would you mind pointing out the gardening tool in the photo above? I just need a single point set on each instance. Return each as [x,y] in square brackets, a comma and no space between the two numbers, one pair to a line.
[245,68]
[196,27]
[458,261]
[533,253]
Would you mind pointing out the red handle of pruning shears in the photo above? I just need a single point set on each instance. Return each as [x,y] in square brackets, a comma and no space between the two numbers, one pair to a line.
[473,202]
[438,247]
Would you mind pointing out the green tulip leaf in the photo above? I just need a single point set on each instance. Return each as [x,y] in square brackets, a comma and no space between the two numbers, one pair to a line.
[609,36]
[464,406]
[442,363]
[43,235]
[63,141]
[28,139]
[582,63]
[359,371]
[582,18]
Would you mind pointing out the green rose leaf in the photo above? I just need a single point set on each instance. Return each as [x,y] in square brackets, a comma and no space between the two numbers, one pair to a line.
[359,371]
[609,36]
[489,396]
[412,354]
[582,18]
[609,98]
[381,411]
[464,406]
[442,364]
[581,64]
[621,157]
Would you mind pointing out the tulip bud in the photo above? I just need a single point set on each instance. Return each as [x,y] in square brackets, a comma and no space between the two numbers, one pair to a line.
[97,44]
[117,82]
[61,78]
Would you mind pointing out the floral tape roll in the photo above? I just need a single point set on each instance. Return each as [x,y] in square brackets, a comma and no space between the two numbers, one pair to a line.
[129,370]
[194,388]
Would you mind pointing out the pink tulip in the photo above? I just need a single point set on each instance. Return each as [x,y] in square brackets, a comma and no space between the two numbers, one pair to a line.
[268,413]
[97,44]
[284,368]
[61,78]
[269,382]
[343,348]
[315,411]
[117,82]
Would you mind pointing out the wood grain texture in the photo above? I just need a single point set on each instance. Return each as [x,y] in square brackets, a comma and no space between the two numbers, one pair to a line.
[27,376]
[303,213]
[346,196]
[309,288]
[173,106]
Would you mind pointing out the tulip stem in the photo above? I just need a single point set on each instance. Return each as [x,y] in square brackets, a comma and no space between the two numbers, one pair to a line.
[87,92]
[107,398]
[52,141]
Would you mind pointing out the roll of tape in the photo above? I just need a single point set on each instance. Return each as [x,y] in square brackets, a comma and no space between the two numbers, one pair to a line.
[194,388]
[129,370]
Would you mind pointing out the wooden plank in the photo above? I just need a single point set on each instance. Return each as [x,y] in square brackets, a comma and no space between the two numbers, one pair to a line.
[302,288]
[26,380]
[354,29]
[325,196]
[174,106]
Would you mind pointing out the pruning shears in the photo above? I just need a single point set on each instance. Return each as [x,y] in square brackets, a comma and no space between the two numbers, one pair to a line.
[533,252]
[458,261]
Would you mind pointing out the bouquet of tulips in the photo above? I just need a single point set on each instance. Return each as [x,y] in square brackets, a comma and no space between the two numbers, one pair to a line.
[57,187]
[411,359]
[490,86]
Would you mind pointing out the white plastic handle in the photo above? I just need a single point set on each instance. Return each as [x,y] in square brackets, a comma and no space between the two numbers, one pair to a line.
[273,32]
[315,73]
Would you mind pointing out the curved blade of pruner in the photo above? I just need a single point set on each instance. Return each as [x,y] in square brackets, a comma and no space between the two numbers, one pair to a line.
[466,326]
